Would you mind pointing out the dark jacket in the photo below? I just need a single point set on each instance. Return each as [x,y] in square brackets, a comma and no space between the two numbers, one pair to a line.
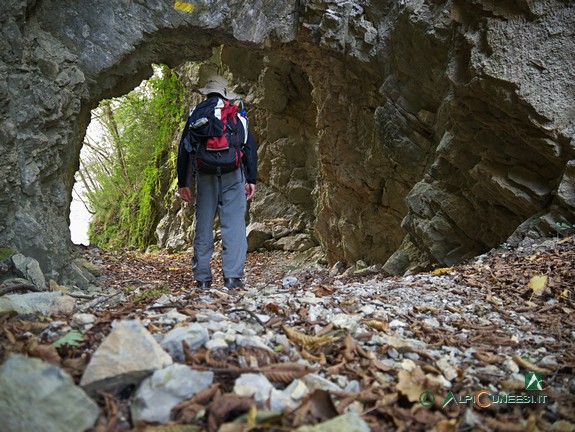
[187,171]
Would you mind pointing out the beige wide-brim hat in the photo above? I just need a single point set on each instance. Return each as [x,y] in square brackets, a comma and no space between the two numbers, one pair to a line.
[218,84]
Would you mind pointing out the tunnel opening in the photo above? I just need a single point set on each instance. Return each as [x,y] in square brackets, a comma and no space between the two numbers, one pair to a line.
[80,209]
[125,152]
[278,98]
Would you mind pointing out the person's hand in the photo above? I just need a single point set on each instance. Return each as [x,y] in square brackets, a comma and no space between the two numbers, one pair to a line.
[186,194]
[250,190]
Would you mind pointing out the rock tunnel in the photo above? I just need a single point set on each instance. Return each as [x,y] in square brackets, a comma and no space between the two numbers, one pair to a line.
[404,132]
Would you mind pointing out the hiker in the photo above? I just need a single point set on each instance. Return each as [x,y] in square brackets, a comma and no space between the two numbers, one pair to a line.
[218,153]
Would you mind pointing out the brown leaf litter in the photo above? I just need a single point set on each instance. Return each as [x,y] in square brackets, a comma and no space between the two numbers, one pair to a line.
[509,310]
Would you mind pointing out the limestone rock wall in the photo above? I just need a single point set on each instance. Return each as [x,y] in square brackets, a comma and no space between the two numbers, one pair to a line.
[503,132]
[412,132]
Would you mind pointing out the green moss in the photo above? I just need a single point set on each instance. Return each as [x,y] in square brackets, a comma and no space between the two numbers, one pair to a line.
[6,252]
[128,206]
[151,294]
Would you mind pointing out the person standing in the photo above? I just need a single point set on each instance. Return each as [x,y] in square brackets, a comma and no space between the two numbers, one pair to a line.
[224,190]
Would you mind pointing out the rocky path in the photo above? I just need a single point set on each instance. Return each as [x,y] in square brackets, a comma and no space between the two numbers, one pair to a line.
[487,345]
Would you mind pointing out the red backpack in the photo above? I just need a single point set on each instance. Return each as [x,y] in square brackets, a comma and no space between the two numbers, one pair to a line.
[217,134]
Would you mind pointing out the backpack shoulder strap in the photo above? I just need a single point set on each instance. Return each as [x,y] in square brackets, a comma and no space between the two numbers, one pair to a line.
[244,123]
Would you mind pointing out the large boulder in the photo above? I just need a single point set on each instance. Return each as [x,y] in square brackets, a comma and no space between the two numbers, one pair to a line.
[257,233]
[37,396]
[38,303]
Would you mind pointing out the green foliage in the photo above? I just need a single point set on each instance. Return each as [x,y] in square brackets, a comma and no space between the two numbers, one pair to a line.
[565,229]
[139,129]
[72,338]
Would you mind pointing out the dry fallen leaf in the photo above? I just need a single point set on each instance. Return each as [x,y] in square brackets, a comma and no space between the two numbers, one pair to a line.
[526,364]
[187,410]
[322,291]
[538,284]
[271,308]
[252,414]
[512,385]
[322,405]
[286,372]
[387,399]
[425,308]
[234,427]
[453,309]
[447,425]
[349,348]
[314,407]
[563,426]
[502,425]
[378,324]
[442,271]
[227,407]
[411,384]
[75,366]
[533,257]
[308,341]
[48,353]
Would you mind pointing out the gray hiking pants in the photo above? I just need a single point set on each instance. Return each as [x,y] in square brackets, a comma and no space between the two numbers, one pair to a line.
[231,213]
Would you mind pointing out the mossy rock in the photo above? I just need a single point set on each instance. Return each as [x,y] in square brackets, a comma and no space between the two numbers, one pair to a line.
[94,269]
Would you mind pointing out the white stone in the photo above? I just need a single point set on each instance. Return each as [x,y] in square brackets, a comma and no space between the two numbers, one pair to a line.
[289,281]
[214,344]
[348,422]
[449,371]
[172,317]
[317,382]
[29,269]
[83,321]
[126,356]
[158,394]
[256,385]
[408,365]
[432,322]
[346,321]
[210,316]
[367,309]
[297,389]
[254,341]
[195,335]
[396,323]
[38,303]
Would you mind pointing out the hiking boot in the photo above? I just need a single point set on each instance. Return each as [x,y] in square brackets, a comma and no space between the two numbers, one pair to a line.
[233,283]
[203,284]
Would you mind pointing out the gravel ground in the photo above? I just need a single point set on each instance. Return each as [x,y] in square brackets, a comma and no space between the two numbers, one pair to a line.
[486,345]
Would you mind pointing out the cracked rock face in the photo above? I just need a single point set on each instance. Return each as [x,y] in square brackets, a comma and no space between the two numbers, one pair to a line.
[405,132]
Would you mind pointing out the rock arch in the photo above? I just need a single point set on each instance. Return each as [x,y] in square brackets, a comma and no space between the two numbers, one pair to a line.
[433,129]
[59,61]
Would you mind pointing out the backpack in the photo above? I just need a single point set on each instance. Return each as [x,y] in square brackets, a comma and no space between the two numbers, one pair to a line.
[217,135]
